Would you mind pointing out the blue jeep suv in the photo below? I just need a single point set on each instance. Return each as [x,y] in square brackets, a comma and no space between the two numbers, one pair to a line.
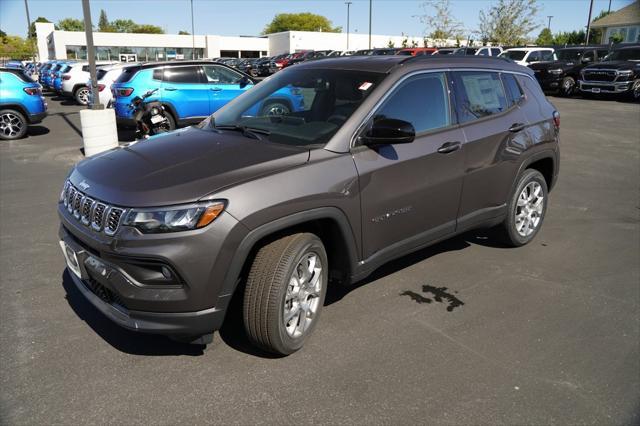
[192,90]
[21,103]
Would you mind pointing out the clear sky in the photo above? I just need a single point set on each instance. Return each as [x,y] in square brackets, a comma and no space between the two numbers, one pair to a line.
[249,17]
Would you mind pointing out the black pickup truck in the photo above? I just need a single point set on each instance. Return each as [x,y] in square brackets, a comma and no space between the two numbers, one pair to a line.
[618,73]
[560,76]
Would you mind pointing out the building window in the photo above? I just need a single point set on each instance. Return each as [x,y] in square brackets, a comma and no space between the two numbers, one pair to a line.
[141,54]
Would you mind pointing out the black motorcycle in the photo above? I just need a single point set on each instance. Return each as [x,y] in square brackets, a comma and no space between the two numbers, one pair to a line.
[151,117]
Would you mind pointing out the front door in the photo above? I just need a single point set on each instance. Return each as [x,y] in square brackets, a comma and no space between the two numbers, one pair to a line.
[410,192]
[223,84]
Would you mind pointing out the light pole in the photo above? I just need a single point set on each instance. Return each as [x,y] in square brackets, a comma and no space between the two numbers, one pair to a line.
[33,53]
[370,8]
[348,3]
[91,56]
[193,35]
[549,25]
[586,42]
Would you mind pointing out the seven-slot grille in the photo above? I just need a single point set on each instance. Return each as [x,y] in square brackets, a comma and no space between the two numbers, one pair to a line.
[90,212]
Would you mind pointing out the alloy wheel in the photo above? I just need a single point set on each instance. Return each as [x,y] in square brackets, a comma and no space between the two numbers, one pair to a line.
[302,298]
[277,109]
[83,96]
[529,209]
[10,125]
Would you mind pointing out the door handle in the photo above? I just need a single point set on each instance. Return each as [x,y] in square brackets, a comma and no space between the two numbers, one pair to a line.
[448,147]
[215,89]
[170,89]
[516,127]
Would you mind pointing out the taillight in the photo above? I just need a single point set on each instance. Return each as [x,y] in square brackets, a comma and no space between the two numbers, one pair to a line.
[556,119]
[31,90]
[66,76]
[101,87]
[125,91]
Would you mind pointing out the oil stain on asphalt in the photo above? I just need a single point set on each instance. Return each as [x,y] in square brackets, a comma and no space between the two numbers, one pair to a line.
[437,294]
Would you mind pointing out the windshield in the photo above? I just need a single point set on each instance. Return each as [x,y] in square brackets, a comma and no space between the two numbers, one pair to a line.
[516,55]
[624,55]
[299,106]
[569,54]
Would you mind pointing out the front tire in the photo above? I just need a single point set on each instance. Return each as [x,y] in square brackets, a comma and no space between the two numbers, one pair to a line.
[526,209]
[285,292]
[275,108]
[568,86]
[13,125]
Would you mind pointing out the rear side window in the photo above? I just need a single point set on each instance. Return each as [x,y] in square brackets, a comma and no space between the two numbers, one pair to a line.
[127,74]
[479,94]
[422,101]
[511,86]
[495,52]
[85,68]
[100,74]
[483,52]
[67,69]
[182,74]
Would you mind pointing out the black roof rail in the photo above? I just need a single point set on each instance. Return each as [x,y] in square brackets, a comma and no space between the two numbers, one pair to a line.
[423,57]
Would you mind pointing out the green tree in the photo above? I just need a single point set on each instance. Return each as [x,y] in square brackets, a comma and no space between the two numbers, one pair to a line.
[405,42]
[391,43]
[123,26]
[182,32]
[508,22]
[440,23]
[32,27]
[300,22]
[71,24]
[15,47]
[2,34]
[148,29]
[545,37]
[414,43]
[569,38]
[103,23]
[595,34]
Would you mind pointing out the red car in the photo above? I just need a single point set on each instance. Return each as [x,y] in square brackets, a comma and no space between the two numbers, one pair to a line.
[413,51]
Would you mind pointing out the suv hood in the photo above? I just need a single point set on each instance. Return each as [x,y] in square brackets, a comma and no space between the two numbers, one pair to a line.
[614,65]
[180,167]
[547,65]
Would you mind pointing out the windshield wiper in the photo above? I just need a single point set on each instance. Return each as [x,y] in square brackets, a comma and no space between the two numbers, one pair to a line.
[250,132]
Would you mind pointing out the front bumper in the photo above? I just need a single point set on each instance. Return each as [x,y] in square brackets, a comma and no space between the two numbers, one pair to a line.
[122,276]
[550,83]
[605,86]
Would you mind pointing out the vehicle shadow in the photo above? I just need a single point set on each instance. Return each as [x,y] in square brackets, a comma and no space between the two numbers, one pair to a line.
[122,339]
[37,130]
[483,237]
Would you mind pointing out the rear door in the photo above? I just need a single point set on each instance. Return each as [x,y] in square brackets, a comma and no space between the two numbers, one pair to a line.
[410,192]
[183,87]
[495,134]
[223,85]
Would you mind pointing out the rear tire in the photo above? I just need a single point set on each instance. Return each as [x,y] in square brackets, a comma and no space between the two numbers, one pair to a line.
[13,125]
[526,209]
[285,292]
[81,95]
[275,108]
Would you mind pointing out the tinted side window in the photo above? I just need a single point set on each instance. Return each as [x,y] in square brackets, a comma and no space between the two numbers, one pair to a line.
[602,53]
[589,55]
[182,74]
[483,52]
[514,92]
[479,94]
[127,74]
[221,75]
[533,57]
[423,101]
[495,52]
[546,55]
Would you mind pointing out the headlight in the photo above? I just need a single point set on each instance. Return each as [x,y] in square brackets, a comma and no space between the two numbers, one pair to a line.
[625,72]
[174,218]
[556,71]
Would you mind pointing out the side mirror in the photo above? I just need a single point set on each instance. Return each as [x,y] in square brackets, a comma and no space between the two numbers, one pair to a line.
[244,82]
[389,131]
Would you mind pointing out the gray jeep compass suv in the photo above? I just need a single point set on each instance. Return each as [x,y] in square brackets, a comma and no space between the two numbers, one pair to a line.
[388,155]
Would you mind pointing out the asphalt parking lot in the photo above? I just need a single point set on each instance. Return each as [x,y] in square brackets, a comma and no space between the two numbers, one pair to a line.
[465,332]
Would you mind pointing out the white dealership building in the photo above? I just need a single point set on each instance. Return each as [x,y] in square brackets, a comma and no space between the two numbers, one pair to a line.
[56,44]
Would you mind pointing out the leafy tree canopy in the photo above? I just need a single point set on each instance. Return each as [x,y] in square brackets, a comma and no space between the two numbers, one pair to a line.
[15,47]
[508,22]
[71,24]
[545,37]
[300,22]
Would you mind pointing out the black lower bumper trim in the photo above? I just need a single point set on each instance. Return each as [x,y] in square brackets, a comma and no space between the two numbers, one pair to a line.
[171,324]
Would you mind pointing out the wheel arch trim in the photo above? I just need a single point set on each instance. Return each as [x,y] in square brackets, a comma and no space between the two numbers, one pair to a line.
[249,242]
